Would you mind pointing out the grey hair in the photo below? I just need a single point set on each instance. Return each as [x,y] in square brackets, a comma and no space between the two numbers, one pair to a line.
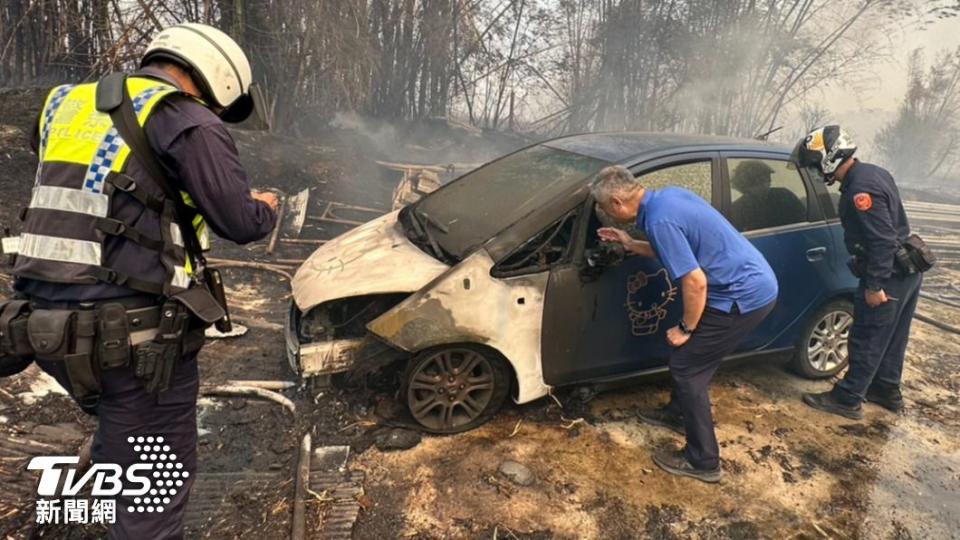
[614,181]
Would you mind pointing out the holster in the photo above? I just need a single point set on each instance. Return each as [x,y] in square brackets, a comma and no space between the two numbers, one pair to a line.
[857,266]
[154,360]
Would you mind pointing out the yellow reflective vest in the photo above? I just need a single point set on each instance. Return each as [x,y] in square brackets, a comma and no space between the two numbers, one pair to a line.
[83,163]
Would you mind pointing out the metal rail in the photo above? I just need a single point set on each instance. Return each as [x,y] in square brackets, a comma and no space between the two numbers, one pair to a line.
[934,322]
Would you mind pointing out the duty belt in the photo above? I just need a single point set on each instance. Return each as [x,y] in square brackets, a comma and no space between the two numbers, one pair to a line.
[87,340]
[90,338]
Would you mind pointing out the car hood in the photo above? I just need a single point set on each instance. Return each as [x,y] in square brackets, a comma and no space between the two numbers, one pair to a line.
[374,258]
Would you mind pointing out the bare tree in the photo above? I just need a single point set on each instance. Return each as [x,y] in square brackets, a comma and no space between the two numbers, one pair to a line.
[730,67]
[924,139]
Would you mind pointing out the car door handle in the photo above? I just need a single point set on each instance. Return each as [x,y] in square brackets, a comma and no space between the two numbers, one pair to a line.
[816,254]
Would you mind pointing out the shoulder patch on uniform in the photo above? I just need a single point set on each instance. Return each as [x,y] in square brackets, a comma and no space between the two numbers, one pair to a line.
[863,201]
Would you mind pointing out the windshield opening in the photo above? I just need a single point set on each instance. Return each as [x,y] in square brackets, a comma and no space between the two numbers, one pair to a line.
[472,209]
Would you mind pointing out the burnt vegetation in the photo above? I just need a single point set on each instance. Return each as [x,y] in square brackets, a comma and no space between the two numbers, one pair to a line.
[534,66]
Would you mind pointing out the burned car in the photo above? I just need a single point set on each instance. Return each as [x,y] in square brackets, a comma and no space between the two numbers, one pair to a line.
[496,284]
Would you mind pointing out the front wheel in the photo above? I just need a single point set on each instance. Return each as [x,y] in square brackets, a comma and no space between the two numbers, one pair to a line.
[451,389]
[822,350]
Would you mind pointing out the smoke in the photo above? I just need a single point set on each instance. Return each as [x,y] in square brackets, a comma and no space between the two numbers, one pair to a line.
[435,141]
[382,135]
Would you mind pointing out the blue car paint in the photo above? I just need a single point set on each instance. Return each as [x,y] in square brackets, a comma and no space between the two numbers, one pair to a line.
[643,314]
[807,282]
[805,286]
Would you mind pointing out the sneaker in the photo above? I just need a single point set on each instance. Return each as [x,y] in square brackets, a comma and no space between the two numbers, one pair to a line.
[675,462]
[888,397]
[663,417]
[825,402]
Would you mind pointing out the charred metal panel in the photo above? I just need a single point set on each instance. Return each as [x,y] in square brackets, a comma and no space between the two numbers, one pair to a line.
[373,258]
[359,356]
[467,305]
[329,356]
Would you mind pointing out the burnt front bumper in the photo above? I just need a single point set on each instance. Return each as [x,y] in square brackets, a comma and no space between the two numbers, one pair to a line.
[324,357]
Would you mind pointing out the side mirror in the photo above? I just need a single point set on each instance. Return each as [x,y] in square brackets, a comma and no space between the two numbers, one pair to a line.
[601,257]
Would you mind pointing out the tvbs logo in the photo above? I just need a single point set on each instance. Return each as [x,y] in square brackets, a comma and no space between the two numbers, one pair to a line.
[147,486]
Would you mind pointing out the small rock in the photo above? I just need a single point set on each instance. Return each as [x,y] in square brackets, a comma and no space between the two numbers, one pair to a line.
[397,439]
[517,473]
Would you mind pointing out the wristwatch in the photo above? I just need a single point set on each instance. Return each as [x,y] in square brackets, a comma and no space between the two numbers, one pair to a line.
[684,328]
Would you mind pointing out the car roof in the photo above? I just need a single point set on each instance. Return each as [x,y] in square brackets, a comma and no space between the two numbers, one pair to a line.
[624,147]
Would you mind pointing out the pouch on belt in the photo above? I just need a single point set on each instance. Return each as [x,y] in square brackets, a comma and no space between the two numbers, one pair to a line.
[113,349]
[68,336]
[16,353]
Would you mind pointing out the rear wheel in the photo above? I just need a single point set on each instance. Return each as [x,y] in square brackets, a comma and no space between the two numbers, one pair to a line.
[455,388]
[822,350]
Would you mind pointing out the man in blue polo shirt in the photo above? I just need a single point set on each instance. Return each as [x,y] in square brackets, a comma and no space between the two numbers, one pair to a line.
[728,289]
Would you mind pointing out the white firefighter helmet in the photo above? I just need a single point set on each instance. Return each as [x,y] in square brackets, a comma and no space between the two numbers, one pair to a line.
[825,148]
[215,61]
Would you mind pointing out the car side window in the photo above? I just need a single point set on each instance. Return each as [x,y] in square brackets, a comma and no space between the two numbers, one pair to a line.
[766,193]
[538,253]
[829,196]
[696,176]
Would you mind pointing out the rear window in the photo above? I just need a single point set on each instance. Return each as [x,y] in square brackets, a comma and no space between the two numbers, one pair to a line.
[766,193]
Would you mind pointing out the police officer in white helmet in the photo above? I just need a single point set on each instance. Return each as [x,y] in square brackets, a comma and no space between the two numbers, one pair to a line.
[110,263]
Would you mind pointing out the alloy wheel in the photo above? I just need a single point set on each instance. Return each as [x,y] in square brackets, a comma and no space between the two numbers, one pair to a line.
[450,388]
[827,345]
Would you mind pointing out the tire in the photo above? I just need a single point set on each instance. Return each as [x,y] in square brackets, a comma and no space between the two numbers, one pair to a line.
[822,349]
[442,398]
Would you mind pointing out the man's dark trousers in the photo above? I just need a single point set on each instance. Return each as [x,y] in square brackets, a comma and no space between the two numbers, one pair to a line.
[692,366]
[127,410]
[878,339]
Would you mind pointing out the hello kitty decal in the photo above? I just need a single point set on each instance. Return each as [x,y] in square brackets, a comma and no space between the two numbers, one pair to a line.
[648,296]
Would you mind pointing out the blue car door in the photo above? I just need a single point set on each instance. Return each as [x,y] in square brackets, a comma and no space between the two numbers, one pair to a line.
[767,199]
[610,321]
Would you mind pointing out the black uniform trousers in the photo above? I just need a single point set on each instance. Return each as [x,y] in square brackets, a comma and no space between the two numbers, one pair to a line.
[693,365]
[126,410]
[878,339]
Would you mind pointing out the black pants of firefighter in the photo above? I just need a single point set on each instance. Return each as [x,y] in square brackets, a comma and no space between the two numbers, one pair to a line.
[127,413]
[878,339]
[693,365]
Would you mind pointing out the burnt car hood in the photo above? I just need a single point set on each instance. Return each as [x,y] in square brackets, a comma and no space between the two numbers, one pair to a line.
[374,258]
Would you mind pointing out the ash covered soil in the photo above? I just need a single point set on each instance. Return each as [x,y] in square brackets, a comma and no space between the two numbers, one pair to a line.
[791,472]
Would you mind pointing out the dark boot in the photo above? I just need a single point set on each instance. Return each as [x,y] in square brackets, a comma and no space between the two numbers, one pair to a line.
[826,402]
[886,396]
[663,417]
[675,462]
